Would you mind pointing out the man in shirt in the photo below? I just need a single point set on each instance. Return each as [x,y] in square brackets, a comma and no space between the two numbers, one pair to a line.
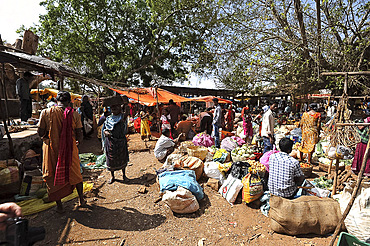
[184,127]
[174,112]
[205,122]
[23,92]
[165,145]
[217,121]
[267,129]
[285,174]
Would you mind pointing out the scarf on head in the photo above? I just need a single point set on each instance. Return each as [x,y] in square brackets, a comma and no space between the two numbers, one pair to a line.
[65,149]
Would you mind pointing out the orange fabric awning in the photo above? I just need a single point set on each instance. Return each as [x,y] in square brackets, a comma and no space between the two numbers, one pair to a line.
[147,96]
[210,98]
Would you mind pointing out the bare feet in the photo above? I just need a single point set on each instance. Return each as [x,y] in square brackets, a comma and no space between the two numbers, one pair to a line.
[82,204]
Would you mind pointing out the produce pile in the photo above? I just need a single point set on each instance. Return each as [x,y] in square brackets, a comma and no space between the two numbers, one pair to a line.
[305,165]
[323,182]
[243,152]
[256,167]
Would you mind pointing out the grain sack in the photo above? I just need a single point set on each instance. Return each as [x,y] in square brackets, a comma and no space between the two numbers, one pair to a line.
[304,215]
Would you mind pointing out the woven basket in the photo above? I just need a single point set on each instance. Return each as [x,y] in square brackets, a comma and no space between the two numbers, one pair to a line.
[184,146]
[307,171]
[198,151]
[325,168]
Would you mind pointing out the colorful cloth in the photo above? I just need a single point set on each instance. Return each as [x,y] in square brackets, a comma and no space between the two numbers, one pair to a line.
[144,128]
[357,161]
[166,122]
[310,132]
[230,115]
[283,170]
[115,146]
[65,149]
[51,120]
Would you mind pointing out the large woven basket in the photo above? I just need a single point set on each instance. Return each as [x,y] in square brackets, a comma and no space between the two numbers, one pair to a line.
[198,151]
[307,171]
[325,168]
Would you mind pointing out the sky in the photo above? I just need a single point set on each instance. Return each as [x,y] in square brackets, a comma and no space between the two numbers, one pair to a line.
[15,13]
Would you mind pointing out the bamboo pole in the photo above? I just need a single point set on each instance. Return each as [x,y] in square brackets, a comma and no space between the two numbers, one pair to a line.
[354,194]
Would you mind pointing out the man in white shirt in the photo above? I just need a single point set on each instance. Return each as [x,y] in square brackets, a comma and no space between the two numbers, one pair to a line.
[267,129]
[165,145]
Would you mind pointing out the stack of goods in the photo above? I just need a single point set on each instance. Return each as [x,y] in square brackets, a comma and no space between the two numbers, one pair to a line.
[257,168]
[243,153]
[203,139]
[230,143]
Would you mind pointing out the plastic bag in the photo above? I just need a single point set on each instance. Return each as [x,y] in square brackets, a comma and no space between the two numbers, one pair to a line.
[252,188]
[202,139]
[358,219]
[221,155]
[228,144]
[211,170]
[181,201]
[266,157]
[231,188]
[239,169]
[88,125]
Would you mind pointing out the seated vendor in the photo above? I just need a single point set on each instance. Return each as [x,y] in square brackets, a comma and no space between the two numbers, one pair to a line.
[184,126]
[165,145]
[285,174]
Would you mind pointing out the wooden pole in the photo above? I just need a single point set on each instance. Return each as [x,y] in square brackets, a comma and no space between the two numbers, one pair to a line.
[6,116]
[318,16]
[344,73]
[354,195]
[5,93]
[329,169]
[157,106]
[335,177]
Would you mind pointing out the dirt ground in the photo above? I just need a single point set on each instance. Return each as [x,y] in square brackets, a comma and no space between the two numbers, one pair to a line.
[117,214]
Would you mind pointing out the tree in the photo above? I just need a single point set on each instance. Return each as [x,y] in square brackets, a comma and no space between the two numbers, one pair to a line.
[263,42]
[120,40]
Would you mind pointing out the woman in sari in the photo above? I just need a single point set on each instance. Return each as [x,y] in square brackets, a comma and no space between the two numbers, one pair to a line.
[114,139]
[230,116]
[363,131]
[59,127]
[247,124]
[310,125]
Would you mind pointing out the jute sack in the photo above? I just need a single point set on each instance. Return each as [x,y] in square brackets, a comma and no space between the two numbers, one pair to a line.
[304,215]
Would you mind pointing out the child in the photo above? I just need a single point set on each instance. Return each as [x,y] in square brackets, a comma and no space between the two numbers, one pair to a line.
[144,126]
[165,119]
[114,138]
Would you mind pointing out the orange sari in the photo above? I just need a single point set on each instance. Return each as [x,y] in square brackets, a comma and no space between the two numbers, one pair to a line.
[310,132]
[51,120]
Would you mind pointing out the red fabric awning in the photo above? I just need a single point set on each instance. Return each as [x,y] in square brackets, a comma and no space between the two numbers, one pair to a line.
[147,96]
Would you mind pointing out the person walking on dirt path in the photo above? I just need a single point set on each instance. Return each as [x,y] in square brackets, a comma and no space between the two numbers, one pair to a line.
[114,138]
[60,128]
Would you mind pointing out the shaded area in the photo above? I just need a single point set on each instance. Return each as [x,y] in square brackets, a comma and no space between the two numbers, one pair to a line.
[125,218]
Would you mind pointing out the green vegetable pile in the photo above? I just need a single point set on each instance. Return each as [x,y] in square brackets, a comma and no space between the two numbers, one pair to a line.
[323,182]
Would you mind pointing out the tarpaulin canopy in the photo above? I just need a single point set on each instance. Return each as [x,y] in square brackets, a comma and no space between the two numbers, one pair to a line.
[210,99]
[148,96]
[53,93]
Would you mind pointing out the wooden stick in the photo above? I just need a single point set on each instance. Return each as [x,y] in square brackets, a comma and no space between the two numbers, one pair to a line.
[354,195]
[345,73]
[335,177]
[329,169]
[353,124]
